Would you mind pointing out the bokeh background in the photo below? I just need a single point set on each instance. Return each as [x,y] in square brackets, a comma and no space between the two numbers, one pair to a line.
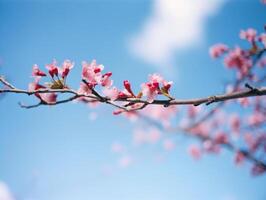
[64,152]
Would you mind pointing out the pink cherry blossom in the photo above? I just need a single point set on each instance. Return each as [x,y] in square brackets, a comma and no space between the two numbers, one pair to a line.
[249,34]
[66,66]
[237,59]
[91,72]
[153,135]
[53,69]
[194,151]
[235,122]
[221,138]
[127,86]
[210,147]
[150,90]
[106,81]
[218,50]
[49,97]
[256,118]
[84,89]
[36,72]
[112,93]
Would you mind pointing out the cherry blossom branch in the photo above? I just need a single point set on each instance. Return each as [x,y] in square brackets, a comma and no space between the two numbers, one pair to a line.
[250,92]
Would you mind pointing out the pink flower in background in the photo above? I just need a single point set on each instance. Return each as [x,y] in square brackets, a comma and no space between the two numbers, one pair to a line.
[66,66]
[168,145]
[36,72]
[218,50]
[235,122]
[127,86]
[256,118]
[237,59]
[53,69]
[249,34]
[210,147]
[166,86]
[221,138]
[239,158]
[194,151]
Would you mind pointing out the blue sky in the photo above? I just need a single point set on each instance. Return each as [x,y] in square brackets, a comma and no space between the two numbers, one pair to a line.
[52,153]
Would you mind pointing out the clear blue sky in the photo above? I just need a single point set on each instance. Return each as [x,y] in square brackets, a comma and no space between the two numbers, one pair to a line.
[54,153]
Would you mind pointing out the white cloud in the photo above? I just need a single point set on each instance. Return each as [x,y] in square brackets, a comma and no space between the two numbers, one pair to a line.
[172,25]
[5,193]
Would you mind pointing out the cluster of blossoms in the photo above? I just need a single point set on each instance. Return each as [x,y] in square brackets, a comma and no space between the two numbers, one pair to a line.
[58,76]
[242,59]
[92,76]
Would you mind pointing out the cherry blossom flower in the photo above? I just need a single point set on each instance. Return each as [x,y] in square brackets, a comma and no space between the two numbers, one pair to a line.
[36,86]
[112,93]
[66,66]
[53,69]
[237,59]
[235,122]
[84,89]
[91,72]
[49,98]
[127,86]
[106,81]
[221,138]
[249,34]
[36,72]
[256,118]
[218,50]
[210,147]
[152,88]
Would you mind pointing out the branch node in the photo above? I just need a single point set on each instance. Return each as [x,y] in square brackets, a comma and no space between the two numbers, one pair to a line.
[253,89]
[211,100]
